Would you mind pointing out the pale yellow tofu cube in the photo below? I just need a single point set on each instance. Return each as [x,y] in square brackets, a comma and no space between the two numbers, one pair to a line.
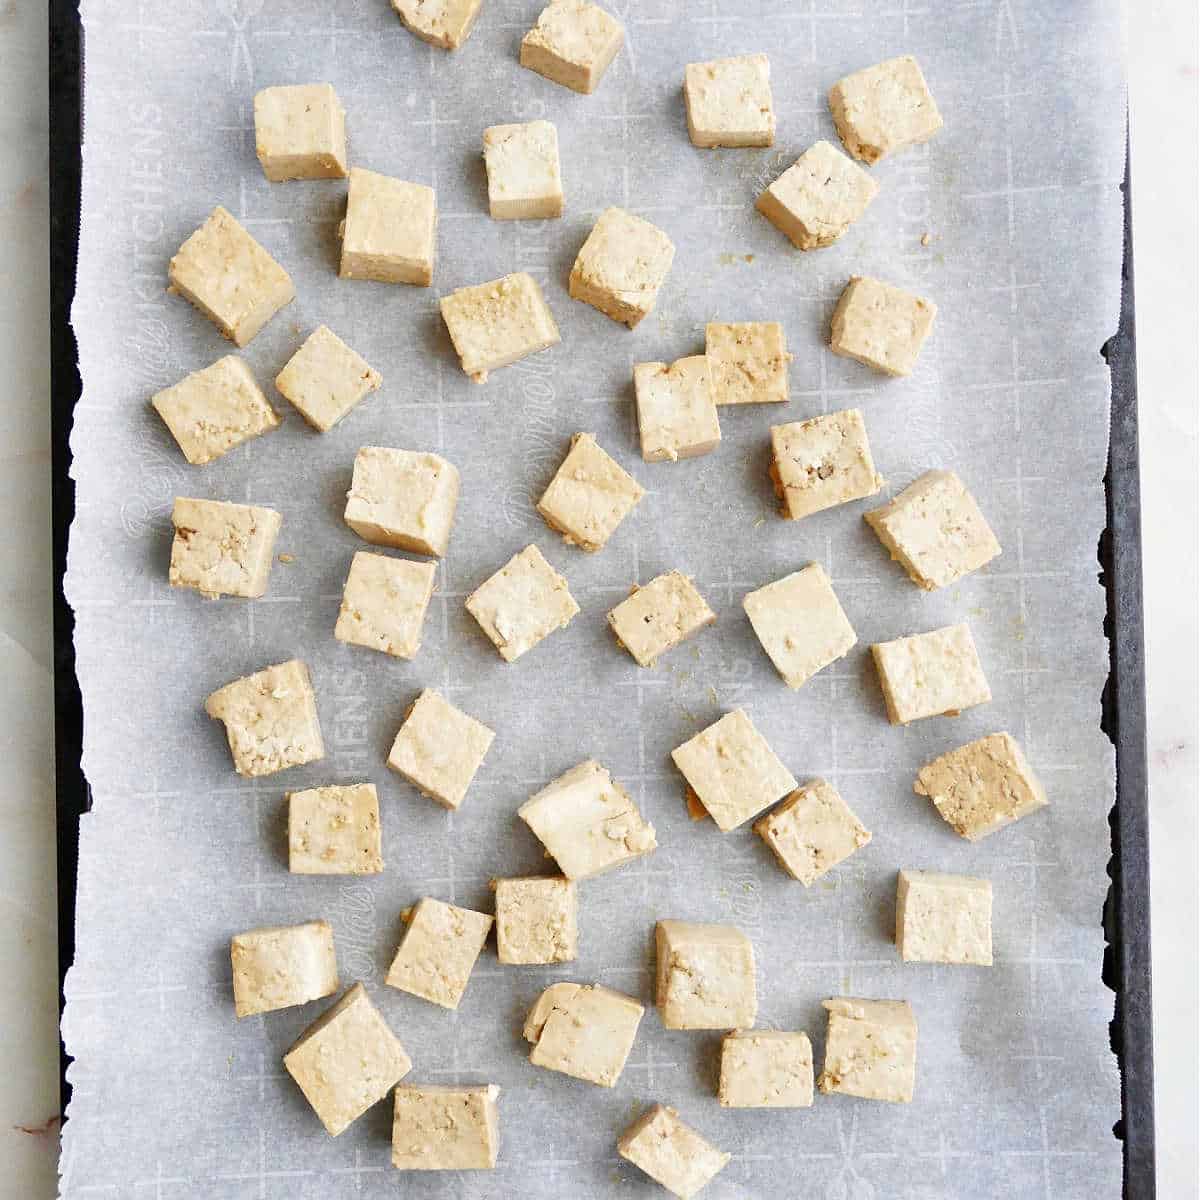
[222,549]
[523,172]
[583,1030]
[943,918]
[870,1050]
[384,602]
[439,749]
[589,496]
[445,1127]
[270,719]
[230,278]
[334,830]
[765,1068]
[211,411]
[881,325]
[300,132]
[822,462]
[704,977]
[884,108]
[536,920]
[438,951]
[390,230]
[930,674]
[402,498]
[676,410]
[282,966]
[621,266]
[572,44]
[671,1153]
[657,617]
[812,831]
[728,101]
[325,379]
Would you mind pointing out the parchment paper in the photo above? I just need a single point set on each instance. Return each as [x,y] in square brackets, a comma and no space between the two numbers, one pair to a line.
[1017,1090]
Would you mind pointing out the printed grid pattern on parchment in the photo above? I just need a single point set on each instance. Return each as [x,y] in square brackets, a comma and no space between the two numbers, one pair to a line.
[1016,1090]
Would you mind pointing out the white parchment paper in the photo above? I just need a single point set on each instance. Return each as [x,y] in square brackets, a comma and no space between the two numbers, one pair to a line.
[1017,1090]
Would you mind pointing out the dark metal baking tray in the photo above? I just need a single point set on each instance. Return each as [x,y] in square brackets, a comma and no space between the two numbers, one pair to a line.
[1126,915]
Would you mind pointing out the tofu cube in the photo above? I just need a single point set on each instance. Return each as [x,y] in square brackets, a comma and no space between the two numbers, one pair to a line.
[496,324]
[334,830]
[572,44]
[522,603]
[583,1030]
[215,409]
[671,1153]
[931,674]
[222,549]
[325,379]
[728,102]
[523,174]
[282,967]
[439,749]
[402,498]
[300,132]
[621,266]
[384,603]
[884,108]
[677,414]
[443,23]
[733,771]
[438,951]
[440,1127]
[982,786]
[536,920]
[747,362]
[870,1050]
[657,617]
[812,831]
[704,977]
[347,1060]
[881,325]
[765,1068]
[935,530]
[589,496]
[587,822]
[822,462]
[390,230]
[800,624]
[270,719]
[230,278]
[943,918]
[818,197]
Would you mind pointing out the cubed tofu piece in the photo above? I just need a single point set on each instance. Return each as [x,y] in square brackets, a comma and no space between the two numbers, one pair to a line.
[812,831]
[334,830]
[930,674]
[282,967]
[943,918]
[656,618]
[982,786]
[572,44]
[536,920]
[222,549]
[438,951]
[818,197]
[870,1050]
[881,325]
[765,1068]
[884,108]
[747,362]
[728,102]
[300,132]
[523,173]
[390,230]
[935,530]
[402,498]
[621,266]
[325,379]
[704,977]
[822,462]
[270,719]
[443,23]
[800,623]
[583,1030]
[445,1127]
[347,1060]
[439,749]
[522,603]
[589,496]
[671,1153]
[587,822]
[230,278]
[677,415]
[384,603]
[215,409]
[734,772]
[496,324]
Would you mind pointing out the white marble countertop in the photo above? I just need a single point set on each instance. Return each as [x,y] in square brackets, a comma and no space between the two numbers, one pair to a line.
[1161,39]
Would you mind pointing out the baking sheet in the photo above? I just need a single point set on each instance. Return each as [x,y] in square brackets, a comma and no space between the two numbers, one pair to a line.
[1016,1085]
